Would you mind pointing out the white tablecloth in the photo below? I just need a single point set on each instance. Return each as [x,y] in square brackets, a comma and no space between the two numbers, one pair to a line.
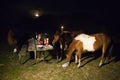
[44,47]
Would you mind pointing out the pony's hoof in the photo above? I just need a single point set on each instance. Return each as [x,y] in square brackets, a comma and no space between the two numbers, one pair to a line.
[100,65]
[15,50]
[78,66]
[65,64]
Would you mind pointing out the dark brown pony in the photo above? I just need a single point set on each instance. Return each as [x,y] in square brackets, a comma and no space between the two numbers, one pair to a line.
[90,43]
[64,38]
[12,42]
[61,41]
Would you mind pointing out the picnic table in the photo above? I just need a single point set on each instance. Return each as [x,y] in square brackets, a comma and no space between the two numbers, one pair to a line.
[35,47]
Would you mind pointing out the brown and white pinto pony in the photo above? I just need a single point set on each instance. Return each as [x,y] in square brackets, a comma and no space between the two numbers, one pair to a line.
[12,42]
[87,43]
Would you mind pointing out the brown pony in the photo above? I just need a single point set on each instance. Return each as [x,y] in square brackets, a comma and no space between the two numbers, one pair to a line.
[12,42]
[64,38]
[90,43]
[61,41]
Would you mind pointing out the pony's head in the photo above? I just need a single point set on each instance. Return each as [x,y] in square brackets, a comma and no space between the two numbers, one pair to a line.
[56,37]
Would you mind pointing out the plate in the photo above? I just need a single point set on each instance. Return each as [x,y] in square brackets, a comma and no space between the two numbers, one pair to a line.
[40,46]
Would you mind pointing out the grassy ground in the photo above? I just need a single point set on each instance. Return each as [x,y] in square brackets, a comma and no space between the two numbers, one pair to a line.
[10,69]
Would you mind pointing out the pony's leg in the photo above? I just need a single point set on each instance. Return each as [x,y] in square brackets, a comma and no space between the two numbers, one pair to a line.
[79,63]
[108,57]
[69,54]
[76,60]
[61,50]
[15,48]
[79,58]
[104,48]
[110,52]
[101,62]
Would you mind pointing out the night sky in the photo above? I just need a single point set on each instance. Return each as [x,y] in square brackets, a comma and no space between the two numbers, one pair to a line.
[90,15]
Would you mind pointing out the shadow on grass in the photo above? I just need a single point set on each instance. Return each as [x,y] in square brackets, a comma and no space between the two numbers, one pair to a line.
[88,57]
[116,52]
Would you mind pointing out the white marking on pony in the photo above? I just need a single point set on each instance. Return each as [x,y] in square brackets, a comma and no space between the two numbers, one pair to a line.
[79,61]
[76,61]
[14,50]
[66,64]
[100,64]
[88,41]
[61,46]
[66,47]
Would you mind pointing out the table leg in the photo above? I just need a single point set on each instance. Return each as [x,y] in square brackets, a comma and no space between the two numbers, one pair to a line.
[35,54]
[43,55]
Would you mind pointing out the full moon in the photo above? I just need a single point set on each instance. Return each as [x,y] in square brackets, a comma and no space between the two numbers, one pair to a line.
[36,13]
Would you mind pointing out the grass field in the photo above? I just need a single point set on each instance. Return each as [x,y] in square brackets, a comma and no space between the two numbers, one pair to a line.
[10,69]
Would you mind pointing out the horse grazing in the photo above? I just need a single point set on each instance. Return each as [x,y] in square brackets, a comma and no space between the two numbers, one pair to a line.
[12,41]
[88,43]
